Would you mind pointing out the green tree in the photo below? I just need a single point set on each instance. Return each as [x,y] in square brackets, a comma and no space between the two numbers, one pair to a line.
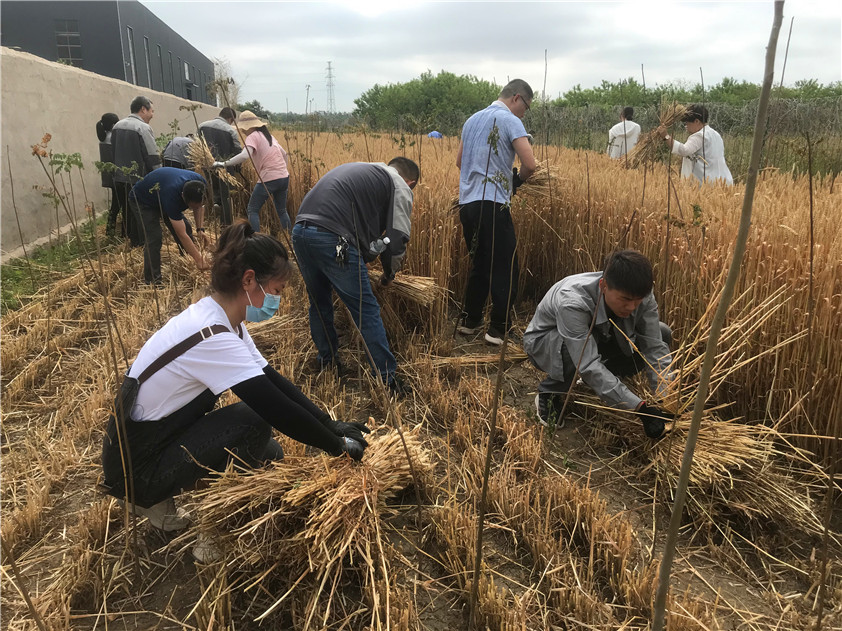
[256,108]
[441,101]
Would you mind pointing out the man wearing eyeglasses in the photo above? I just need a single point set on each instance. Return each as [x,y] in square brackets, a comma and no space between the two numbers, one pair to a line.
[490,140]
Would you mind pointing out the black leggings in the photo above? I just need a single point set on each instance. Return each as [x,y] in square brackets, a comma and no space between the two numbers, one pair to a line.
[172,454]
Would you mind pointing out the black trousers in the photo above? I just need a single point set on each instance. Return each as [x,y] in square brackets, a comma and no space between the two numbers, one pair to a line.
[490,237]
[131,214]
[222,196]
[113,212]
[151,219]
[175,452]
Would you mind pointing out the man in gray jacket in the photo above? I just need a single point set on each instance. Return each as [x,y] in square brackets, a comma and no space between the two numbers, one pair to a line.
[627,337]
[354,214]
[135,155]
[224,143]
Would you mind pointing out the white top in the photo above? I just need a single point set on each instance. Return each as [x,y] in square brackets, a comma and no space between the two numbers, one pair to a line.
[704,156]
[216,363]
[622,138]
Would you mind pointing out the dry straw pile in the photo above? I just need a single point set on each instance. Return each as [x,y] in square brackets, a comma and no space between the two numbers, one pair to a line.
[301,530]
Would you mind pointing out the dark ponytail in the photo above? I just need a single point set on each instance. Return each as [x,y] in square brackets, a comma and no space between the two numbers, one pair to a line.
[265,131]
[105,124]
[240,248]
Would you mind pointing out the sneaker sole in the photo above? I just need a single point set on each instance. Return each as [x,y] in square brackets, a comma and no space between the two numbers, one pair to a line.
[466,331]
[496,341]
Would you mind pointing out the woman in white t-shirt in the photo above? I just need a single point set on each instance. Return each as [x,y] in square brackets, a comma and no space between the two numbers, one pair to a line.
[174,435]
[704,151]
[270,161]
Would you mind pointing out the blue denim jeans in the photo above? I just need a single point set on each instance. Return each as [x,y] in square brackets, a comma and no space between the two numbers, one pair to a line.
[315,249]
[278,190]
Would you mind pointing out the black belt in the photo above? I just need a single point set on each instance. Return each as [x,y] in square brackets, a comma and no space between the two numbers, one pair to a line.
[310,224]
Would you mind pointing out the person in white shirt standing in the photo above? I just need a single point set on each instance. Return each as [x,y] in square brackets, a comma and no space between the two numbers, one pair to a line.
[624,135]
[704,151]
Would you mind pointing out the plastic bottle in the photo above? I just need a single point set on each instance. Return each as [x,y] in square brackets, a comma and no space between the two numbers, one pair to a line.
[379,246]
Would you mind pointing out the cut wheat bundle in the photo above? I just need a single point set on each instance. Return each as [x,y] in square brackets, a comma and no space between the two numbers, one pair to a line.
[307,520]
[422,290]
[542,180]
[738,468]
[514,353]
[202,159]
[651,144]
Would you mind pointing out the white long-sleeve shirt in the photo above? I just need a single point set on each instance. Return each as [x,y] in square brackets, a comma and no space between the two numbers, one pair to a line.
[704,156]
[622,138]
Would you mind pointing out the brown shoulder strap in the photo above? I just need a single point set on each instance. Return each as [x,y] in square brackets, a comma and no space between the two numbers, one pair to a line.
[181,348]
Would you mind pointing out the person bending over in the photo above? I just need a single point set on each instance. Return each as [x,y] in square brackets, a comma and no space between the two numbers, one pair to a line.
[173,435]
[560,337]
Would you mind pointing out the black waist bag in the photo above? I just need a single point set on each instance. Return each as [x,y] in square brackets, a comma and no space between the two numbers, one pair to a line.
[114,459]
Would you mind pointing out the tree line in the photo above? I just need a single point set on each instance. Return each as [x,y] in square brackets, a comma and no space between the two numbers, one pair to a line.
[444,101]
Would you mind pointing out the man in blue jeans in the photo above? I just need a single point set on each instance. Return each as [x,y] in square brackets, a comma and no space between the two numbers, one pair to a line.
[354,214]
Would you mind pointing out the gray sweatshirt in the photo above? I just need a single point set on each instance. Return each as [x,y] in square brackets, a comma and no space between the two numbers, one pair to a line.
[563,317]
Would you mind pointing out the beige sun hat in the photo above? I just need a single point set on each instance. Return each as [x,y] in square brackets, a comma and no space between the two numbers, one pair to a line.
[247,120]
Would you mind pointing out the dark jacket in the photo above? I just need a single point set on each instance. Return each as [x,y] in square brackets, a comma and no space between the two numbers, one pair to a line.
[363,201]
[221,138]
[134,142]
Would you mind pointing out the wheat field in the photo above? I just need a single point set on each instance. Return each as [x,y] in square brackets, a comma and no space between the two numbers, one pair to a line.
[320,543]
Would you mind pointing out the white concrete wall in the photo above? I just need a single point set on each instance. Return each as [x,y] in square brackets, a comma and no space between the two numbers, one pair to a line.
[40,96]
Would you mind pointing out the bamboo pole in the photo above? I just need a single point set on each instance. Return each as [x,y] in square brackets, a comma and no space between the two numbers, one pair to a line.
[659,606]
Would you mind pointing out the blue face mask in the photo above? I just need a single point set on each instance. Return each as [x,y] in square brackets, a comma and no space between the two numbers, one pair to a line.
[271,302]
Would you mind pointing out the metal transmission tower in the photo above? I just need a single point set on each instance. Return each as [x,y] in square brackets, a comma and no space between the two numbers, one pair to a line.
[331,100]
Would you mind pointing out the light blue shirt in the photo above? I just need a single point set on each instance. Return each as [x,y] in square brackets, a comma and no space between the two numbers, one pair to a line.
[475,154]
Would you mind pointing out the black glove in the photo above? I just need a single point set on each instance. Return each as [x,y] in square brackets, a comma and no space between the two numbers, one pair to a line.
[654,419]
[350,430]
[516,181]
[353,449]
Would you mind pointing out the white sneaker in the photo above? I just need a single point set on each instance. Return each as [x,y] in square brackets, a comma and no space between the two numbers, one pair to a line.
[205,550]
[493,339]
[163,515]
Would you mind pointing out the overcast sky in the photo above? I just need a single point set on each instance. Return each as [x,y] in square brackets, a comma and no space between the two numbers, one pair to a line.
[276,49]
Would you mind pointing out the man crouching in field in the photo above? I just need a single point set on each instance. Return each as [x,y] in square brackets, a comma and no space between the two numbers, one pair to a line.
[560,337]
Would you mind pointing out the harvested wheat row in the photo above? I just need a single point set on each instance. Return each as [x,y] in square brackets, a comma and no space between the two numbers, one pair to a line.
[311,518]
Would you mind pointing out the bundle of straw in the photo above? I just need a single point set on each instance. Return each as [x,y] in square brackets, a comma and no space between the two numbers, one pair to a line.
[541,181]
[538,184]
[202,159]
[421,290]
[737,468]
[514,353]
[307,520]
[651,144]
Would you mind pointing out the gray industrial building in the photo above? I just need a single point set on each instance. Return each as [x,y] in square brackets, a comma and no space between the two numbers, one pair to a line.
[123,40]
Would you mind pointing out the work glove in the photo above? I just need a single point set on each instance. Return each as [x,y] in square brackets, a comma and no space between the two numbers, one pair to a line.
[354,430]
[654,419]
[218,165]
[353,449]
[516,181]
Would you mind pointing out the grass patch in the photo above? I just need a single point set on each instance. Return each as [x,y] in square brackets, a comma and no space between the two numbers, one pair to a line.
[22,279]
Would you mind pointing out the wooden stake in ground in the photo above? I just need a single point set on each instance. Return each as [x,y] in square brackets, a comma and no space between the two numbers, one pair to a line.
[659,606]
